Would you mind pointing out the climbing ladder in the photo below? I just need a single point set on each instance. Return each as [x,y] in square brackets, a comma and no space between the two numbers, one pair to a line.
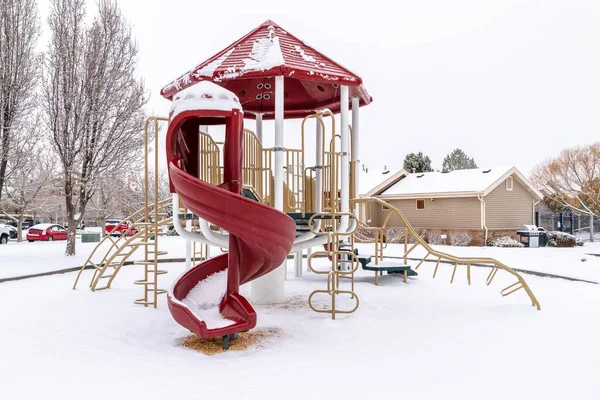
[148,220]
[121,248]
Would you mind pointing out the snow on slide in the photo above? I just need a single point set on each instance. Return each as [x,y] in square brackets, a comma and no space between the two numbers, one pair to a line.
[204,300]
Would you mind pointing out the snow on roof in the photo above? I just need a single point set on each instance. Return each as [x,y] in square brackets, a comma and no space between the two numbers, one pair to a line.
[369,178]
[461,181]
[268,48]
[204,95]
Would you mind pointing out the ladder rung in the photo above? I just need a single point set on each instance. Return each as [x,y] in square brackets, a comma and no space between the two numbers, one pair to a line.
[159,253]
[106,276]
[143,262]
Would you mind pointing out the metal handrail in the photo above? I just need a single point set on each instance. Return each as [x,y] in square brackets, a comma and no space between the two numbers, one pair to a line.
[468,261]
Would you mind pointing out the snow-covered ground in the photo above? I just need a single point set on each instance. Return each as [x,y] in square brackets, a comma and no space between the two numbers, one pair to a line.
[423,340]
[25,258]
[19,259]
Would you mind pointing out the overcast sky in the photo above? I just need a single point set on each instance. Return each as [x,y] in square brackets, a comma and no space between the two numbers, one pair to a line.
[510,82]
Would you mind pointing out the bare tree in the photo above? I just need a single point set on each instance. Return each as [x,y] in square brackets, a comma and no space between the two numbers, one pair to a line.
[93,101]
[135,199]
[27,188]
[19,70]
[572,179]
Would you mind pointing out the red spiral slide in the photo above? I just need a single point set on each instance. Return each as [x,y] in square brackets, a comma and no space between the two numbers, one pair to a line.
[260,237]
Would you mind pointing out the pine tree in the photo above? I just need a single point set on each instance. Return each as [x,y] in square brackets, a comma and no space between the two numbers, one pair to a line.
[417,163]
[458,160]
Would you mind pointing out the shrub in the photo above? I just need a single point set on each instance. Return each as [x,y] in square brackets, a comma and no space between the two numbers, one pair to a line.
[460,239]
[560,239]
[579,242]
[435,237]
[393,234]
[504,241]
[365,235]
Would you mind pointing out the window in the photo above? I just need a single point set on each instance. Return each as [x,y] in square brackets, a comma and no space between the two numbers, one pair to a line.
[509,183]
[420,204]
[384,207]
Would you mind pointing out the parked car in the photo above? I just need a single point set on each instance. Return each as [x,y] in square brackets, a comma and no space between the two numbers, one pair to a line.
[4,233]
[28,223]
[12,231]
[48,232]
[115,228]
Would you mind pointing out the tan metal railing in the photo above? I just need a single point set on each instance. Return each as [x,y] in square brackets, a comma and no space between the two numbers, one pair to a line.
[439,256]
[294,179]
[209,169]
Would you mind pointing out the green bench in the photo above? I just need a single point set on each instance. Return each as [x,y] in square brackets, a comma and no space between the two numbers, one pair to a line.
[391,268]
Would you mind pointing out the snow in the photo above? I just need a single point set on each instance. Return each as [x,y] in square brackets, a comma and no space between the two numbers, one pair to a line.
[305,56]
[506,241]
[204,300]
[266,54]
[370,178]
[468,181]
[204,95]
[21,259]
[426,339]
[209,69]
[41,226]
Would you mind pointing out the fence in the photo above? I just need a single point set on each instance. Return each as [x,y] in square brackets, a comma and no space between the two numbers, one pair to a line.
[575,224]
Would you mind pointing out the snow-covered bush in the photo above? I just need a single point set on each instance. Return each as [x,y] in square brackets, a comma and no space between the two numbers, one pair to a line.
[560,239]
[435,237]
[579,242]
[504,241]
[365,235]
[393,234]
[460,239]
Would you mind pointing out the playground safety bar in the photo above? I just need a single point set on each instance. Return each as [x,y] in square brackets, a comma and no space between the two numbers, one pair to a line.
[467,261]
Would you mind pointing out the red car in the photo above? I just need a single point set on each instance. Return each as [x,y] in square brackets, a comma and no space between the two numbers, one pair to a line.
[47,232]
[114,227]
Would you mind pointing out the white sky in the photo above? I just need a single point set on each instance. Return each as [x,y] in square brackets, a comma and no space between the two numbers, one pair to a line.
[510,82]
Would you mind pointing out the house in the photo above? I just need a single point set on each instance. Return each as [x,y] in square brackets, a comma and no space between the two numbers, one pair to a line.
[486,202]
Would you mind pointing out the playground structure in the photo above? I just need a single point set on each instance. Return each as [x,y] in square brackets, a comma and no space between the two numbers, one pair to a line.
[258,203]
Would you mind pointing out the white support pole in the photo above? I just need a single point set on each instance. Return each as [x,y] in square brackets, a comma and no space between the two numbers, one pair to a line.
[345,170]
[259,128]
[270,288]
[356,148]
[188,255]
[298,263]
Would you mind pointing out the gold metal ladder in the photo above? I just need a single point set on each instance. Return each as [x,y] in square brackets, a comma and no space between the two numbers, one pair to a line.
[339,258]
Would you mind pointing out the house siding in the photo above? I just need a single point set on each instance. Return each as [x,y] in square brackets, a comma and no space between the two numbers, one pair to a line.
[508,209]
[447,213]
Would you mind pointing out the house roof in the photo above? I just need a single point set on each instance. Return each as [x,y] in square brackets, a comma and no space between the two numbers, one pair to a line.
[372,179]
[461,183]
[247,66]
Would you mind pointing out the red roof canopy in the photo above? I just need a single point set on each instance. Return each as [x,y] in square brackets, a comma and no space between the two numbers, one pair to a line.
[248,67]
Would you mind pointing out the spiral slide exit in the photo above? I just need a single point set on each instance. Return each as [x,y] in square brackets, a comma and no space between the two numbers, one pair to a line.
[260,237]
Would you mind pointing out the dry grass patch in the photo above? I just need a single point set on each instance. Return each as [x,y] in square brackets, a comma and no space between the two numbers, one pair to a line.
[254,339]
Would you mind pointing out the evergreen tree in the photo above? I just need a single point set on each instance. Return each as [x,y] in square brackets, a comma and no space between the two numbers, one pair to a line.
[417,163]
[458,160]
